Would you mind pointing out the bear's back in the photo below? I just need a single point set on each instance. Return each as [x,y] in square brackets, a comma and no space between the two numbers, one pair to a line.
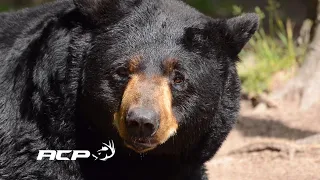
[14,25]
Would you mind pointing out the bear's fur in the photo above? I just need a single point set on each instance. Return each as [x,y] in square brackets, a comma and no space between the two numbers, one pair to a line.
[69,72]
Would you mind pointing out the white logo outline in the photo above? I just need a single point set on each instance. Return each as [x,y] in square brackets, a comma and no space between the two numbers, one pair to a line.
[106,147]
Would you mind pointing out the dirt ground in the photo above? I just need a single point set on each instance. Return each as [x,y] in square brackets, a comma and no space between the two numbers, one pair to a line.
[270,144]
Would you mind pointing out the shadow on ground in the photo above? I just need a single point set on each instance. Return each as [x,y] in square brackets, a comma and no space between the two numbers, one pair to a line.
[251,127]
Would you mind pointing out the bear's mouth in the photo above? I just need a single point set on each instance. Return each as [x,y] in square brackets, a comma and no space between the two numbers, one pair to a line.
[141,145]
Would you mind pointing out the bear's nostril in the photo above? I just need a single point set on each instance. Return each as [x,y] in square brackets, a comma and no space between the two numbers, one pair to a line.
[149,126]
[149,129]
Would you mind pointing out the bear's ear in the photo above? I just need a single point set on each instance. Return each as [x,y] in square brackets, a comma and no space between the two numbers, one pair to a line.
[99,11]
[239,31]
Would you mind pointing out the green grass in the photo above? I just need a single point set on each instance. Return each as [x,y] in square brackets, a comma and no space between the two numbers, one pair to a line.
[213,8]
[267,53]
[4,8]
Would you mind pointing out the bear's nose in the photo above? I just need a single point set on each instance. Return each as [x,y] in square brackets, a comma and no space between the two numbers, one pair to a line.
[142,122]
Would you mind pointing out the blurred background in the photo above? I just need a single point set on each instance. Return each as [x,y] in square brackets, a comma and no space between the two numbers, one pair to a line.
[277,134]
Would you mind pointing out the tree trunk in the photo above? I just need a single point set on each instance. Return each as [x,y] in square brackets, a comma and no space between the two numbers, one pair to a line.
[305,87]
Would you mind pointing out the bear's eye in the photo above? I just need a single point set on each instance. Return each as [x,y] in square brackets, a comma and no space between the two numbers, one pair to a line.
[123,72]
[178,80]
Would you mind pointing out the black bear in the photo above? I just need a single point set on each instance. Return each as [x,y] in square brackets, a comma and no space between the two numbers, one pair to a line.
[156,78]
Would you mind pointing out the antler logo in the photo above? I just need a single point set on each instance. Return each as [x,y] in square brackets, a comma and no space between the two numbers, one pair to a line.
[106,152]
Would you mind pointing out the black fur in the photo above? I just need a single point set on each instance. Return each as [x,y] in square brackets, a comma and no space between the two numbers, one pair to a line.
[58,89]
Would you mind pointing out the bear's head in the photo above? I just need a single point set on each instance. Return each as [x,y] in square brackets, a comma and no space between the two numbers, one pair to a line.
[159,68]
